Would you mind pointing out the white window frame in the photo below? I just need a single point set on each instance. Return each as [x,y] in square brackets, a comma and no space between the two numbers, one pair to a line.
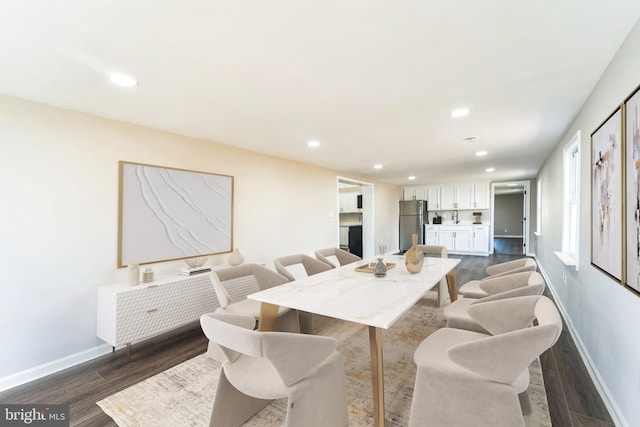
[571,203]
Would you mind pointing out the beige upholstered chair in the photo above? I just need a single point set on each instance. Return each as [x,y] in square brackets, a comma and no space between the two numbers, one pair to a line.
[336,257]
[299,265]
[296,267]
[235,283]
[443,288]
[261,366]
[493,284]
[497,270]
[466,378]
[510,267]
[514,285]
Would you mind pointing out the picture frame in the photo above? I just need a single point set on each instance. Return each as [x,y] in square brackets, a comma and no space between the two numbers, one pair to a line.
[168,214]
[606,196]
[631,124]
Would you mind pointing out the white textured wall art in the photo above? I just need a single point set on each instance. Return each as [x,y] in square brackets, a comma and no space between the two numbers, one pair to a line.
[168,214]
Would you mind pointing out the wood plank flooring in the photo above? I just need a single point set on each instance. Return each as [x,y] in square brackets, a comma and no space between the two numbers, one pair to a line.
[573,399]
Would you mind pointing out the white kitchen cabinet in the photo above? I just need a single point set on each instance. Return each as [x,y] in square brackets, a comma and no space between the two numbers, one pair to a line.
[456,238]
[481,239]
[431,235]
[450,196]
[459,196]
[413,193]
[481,196]
[432,196]
[349,202]
[447,197]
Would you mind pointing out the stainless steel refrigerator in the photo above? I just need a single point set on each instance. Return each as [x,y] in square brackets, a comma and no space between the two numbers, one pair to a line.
[413,213]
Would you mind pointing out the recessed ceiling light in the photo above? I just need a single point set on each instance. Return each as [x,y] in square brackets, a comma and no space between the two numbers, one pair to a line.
[123,80]
[471,139]
[411,178]
[377,166]
[490,169]
[481,153]
[460,112]
[313,143]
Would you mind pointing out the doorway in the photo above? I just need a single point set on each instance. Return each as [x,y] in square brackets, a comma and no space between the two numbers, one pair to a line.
[510,218]
[355,208]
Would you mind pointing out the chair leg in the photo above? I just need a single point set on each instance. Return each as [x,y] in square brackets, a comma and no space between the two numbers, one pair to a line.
[288,322]
[320,399]
[231,408]
[306,322]
[525,402]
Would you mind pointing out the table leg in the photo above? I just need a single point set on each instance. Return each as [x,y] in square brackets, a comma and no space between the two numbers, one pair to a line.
[377,374]
[451,283]
[268,317]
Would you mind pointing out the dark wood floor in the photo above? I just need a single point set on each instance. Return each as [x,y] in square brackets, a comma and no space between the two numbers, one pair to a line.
[573,399]
[508,245]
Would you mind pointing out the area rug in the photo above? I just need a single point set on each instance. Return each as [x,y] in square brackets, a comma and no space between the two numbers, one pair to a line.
[183,395]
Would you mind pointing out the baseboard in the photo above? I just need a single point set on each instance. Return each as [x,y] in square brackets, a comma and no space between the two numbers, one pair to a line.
[52,367]
[603,390]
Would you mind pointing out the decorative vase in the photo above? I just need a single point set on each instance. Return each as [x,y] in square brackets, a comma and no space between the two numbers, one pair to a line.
[134,274]
[147,275]
[380,269]
[236,258]
[414,258]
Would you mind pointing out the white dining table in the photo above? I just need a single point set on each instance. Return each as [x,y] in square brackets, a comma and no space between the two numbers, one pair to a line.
[360,297]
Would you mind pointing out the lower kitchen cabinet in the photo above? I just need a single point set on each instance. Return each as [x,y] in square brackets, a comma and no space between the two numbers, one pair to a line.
[462,239]
[481,239]
[455,238]
[431,235]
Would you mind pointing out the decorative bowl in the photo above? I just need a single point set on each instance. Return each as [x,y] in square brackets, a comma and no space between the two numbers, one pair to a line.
[196,262]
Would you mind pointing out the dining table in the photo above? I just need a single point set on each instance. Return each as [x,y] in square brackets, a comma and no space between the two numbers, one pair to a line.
[353,292]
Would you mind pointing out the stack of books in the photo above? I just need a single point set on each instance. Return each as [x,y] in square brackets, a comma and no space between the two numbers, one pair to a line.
[190,271]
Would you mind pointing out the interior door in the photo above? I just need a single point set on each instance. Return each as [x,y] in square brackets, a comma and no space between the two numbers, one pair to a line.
[524,223]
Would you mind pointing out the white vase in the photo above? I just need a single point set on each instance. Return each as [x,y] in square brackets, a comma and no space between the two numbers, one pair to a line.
[134,274]
[236,258]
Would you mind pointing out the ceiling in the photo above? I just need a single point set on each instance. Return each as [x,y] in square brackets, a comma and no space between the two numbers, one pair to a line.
[373,81]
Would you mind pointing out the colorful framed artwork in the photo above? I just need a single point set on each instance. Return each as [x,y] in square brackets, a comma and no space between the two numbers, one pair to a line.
[606,196]
[631,109]
[168,214]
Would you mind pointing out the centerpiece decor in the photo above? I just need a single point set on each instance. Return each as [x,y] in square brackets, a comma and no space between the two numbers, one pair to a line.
[414,258]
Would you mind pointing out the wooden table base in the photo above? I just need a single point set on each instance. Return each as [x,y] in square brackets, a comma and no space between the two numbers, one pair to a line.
[377,374]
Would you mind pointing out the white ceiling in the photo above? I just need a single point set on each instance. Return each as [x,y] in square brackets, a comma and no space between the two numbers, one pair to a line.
[374,81]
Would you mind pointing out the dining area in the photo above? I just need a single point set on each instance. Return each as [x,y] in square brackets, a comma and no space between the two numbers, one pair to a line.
[260,362]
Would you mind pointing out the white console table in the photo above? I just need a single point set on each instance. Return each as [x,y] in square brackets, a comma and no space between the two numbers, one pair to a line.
[132,313]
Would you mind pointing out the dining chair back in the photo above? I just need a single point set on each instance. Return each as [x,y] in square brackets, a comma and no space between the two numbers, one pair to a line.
[336,257]
[469,378]
[457,314]
[262,366]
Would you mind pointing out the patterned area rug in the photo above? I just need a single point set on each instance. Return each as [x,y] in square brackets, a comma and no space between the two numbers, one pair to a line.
[183,395]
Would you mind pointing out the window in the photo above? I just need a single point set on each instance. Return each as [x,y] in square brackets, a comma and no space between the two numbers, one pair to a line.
[571,199]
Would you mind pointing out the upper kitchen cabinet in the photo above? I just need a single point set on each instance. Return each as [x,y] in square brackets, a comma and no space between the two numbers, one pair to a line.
[464,196]
[432,196]
[481,196]
[413,193]
[458,196]
[448,197]
[350,201]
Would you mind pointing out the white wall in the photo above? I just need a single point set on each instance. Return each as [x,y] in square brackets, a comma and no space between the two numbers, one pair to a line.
[59,221]
[603,316]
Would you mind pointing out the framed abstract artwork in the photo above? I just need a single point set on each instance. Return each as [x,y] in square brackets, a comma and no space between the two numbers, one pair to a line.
[606,196]
[167,214]
[631,110]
